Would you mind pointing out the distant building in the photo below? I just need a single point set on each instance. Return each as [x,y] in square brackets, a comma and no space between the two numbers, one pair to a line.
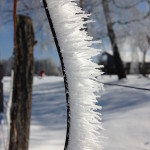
[107,60]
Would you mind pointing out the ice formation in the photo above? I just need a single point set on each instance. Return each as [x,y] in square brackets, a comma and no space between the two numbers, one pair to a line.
[81,72]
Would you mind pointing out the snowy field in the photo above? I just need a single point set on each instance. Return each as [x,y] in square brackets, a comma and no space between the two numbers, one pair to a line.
[125,114]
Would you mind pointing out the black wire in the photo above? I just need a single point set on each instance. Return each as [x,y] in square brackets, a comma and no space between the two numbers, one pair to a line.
[63,69]
[126,86]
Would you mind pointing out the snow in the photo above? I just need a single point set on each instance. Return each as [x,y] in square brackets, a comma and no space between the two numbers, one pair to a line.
[125,114]
[48,114]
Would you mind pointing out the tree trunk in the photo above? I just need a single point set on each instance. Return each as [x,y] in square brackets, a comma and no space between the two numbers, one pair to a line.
[1,90]
[22,85]
[143,64]
[118,62]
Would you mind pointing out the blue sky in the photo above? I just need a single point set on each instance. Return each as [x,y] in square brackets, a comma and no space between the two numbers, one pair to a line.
[6,41]
[6,46]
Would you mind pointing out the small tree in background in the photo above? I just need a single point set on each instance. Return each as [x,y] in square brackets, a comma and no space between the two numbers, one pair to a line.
[143,43]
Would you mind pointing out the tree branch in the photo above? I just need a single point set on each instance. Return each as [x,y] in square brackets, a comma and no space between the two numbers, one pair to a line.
[129,6]
[121,22]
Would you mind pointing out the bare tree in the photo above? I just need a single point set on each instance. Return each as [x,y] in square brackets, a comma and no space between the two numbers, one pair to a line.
[143,44]
[112,36]
[134,65]
[127,19]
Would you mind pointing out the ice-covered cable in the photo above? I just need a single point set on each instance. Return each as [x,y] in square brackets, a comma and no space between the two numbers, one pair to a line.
[77,52]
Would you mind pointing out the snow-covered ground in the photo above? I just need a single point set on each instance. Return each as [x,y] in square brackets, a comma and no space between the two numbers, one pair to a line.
[125,114]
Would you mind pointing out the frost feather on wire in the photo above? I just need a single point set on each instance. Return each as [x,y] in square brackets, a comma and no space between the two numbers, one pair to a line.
[81,72]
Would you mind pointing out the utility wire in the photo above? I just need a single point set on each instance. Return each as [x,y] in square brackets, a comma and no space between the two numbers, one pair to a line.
[63,69]
[125,86]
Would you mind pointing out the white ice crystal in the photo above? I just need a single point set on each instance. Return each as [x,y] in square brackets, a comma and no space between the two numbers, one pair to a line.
[77,51]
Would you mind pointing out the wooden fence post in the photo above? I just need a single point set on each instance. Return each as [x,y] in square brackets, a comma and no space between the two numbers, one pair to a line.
[22,84]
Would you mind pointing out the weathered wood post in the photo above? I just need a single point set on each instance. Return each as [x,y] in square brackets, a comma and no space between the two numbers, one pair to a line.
[1,89]
[22,84]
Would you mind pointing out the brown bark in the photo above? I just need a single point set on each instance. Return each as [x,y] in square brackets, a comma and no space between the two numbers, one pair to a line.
[22,85]
[118,62]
